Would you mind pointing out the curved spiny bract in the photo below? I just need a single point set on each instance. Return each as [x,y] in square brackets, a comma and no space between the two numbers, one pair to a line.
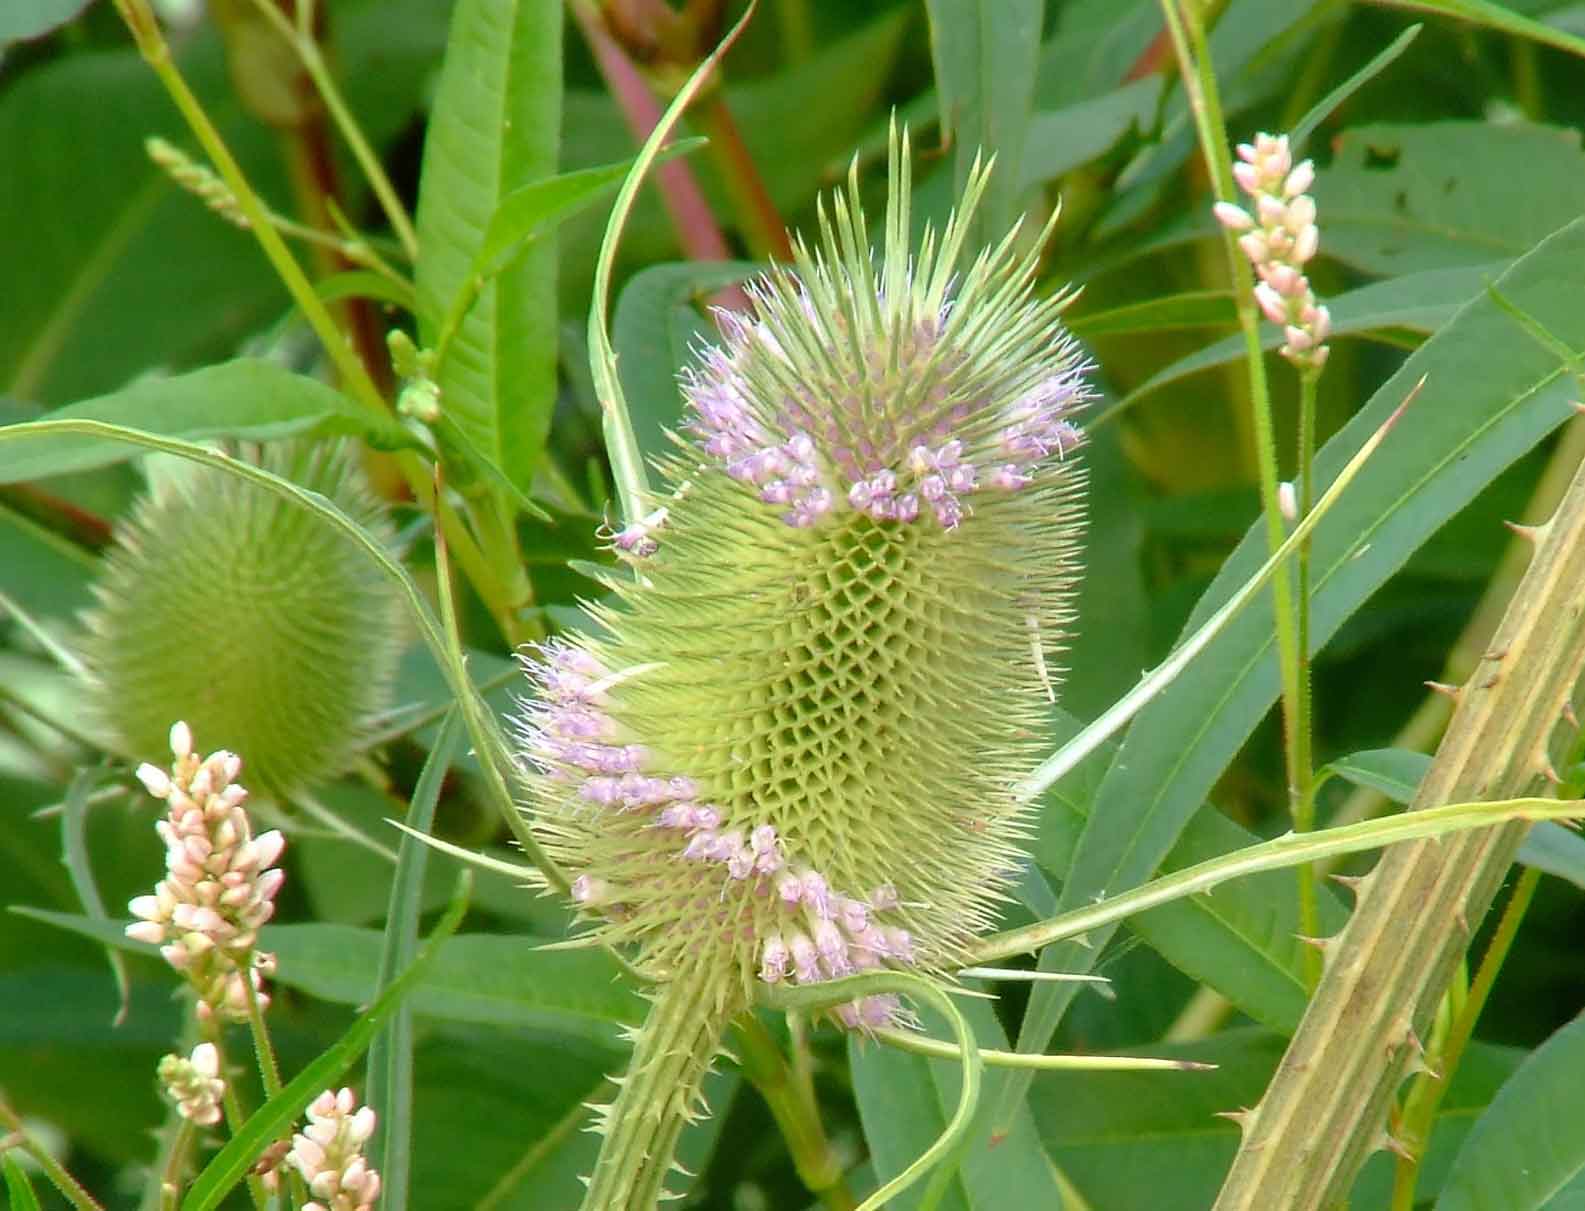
[225,605]
[787,748]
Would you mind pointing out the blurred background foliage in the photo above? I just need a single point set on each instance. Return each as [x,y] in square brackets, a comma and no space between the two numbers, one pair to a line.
[1435,173]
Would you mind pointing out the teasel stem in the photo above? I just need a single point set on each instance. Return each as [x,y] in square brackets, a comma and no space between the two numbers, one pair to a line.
[660,1091]
[1187,29]
[793,1107]
[1388,969]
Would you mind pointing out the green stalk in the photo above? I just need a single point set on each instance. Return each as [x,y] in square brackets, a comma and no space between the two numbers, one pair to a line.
[796,1114]
[232,1105]
[302,42]
[1429,1087]
[1301,771]
[1387,971]
[269,1070]
[1199,83]
[53,1169]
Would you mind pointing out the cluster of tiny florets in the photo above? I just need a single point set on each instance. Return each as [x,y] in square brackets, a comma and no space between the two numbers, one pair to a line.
[820,934]
[328,1152]
[220,881]
[194,1083]
[1279,239]
[812,451]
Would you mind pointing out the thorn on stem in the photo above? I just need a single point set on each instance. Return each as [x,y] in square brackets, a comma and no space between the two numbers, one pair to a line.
[1444,688]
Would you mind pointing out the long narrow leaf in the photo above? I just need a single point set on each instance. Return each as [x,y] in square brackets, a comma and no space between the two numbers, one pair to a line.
[231,1163]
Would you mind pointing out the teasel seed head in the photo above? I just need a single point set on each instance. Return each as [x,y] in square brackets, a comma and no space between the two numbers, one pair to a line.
[225,605]
[787,748]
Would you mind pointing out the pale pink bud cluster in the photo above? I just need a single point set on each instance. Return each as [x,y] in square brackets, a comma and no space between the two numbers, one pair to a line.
[815,452]
[829,935]
[220,882]
[329,1154]
[195,1084]
[1279,239]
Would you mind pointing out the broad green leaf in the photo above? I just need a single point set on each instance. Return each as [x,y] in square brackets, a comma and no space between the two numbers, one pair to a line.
[1154,1139]
[245,399]
[1420,302]
[19,1189]
[986,53]
[1242,939]
[120,269]
[22,19]
[233,1161]
[495,128]
[1063,139]
[39,570]
[1490,393]
[1396,773]
[656,324]
[904,1103]
[485,978]
[1527,1146]
[389,1085]
[1399,199]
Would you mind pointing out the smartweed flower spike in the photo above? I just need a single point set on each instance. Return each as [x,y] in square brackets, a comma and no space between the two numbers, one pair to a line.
[195,1084]
[788,751]
[220,882]
[1279,239]
[268,631]
[329,1154]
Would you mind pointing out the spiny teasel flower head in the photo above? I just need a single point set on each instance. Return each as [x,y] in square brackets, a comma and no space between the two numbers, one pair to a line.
[328,1152]
[229,606]
[220,880]
[1279,239]
[195,1084]
[787,749]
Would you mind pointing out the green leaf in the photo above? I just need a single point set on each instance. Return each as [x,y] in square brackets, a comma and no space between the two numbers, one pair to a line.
[905,1101]
[1192,309]
[1062,139]
[656,323]
[1497,17]
[985,54]
[74,852]
[366,284]
[121,269]
[1397,773]
[1329,104]
[1399,199]
[18,1188]
[491,979]
[267,1123]
[1490,393]
[1241,940]
[389,1084]
[41,571]
[1420,302]
[1526,1147]
[23,19]
[1155,1139]
[245,399]
[495,128]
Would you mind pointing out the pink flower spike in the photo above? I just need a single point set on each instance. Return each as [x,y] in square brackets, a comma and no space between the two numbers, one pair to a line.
[1299,180]
[1248,177]
[155,780]
[1232,217]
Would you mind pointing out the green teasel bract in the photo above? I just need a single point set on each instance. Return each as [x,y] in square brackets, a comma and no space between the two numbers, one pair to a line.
[787,748]
[225,605]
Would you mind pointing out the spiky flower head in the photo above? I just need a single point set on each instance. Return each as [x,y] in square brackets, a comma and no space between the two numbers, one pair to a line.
[788,749]
[223,604]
